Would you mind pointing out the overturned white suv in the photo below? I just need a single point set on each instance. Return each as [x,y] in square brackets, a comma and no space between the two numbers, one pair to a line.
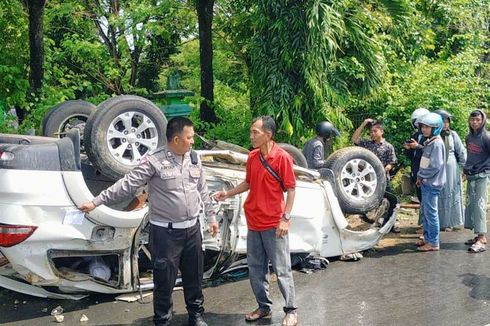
[50,249]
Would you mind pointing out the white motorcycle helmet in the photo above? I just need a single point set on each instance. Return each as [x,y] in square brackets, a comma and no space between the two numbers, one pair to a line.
[434,121]
[417,114]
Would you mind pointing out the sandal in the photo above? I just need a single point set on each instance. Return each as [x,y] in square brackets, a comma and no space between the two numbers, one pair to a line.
[477,247]
[473,241]
[420,243]
[291,319]
[257,314]
[427,247]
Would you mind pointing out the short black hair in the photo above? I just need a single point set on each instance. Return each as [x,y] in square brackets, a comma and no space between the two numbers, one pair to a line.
[377,124]
[176,125]
[268,123]
[475,113]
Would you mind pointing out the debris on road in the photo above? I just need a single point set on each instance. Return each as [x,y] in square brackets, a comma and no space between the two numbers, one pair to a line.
[57,311]
[132,297]
[351,257]
[59,318]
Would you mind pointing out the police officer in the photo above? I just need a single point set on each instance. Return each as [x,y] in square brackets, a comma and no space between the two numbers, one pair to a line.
[177,191]
[314,149]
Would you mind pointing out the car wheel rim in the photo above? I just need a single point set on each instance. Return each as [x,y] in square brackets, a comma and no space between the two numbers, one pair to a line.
[358,179]
[130,136]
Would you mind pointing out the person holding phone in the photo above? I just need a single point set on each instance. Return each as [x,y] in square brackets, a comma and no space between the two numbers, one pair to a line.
[413,150]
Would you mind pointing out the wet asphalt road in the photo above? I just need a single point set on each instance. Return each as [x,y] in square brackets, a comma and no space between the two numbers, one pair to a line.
[389,286]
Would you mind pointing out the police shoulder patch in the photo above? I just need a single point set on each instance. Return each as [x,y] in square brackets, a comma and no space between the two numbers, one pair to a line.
[167,164]
[156,150]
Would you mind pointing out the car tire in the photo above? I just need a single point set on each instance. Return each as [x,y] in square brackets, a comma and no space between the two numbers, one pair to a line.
[66,116]
[359,179]
[121,131]
[298,158]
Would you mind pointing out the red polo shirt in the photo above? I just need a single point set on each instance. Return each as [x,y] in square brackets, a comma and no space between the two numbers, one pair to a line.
[265,201]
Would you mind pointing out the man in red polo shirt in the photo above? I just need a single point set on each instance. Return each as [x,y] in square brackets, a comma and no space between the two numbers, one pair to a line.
[268,218]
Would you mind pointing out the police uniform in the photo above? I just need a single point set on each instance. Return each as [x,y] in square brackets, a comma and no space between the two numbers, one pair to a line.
[177,193]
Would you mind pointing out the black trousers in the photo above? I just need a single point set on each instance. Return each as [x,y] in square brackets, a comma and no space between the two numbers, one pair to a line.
[173,249]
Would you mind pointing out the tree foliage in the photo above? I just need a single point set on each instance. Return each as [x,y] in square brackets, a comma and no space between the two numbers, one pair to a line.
[301,61]
[231,103]
[119,45]
[14,59]
[94,49]
[307,58]
[437,59]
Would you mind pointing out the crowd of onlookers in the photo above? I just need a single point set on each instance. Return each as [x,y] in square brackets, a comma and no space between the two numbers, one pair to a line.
[439,164]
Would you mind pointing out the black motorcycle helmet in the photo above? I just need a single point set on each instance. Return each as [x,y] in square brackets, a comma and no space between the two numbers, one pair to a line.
[444,114]
[326,130]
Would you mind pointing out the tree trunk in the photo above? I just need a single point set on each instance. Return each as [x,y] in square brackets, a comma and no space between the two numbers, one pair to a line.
[135,56]
[205,19]
[36,11]
[108,34]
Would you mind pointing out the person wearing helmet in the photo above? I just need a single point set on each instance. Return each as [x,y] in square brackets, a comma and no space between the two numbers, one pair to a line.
[451,199]
[314,149]
[413,150]
[416,115]
[431,178]
[415,144]
[477,170]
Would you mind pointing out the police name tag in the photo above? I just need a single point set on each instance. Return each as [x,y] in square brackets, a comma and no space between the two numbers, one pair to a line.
[195,172]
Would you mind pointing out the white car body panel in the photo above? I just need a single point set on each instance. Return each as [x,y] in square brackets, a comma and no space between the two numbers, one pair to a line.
[47,190]
[35,291]
[44,198]
[102,215]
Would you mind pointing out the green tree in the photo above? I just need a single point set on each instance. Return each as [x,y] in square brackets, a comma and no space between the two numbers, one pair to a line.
[306,58]
[119,45]
[436,59]
[205,19]
[231,103]
[15,57]
[14,61]
[35,9]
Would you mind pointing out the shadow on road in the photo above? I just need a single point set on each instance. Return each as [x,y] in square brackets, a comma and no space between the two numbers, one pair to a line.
[211,319]
[19,307]
[479,284]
